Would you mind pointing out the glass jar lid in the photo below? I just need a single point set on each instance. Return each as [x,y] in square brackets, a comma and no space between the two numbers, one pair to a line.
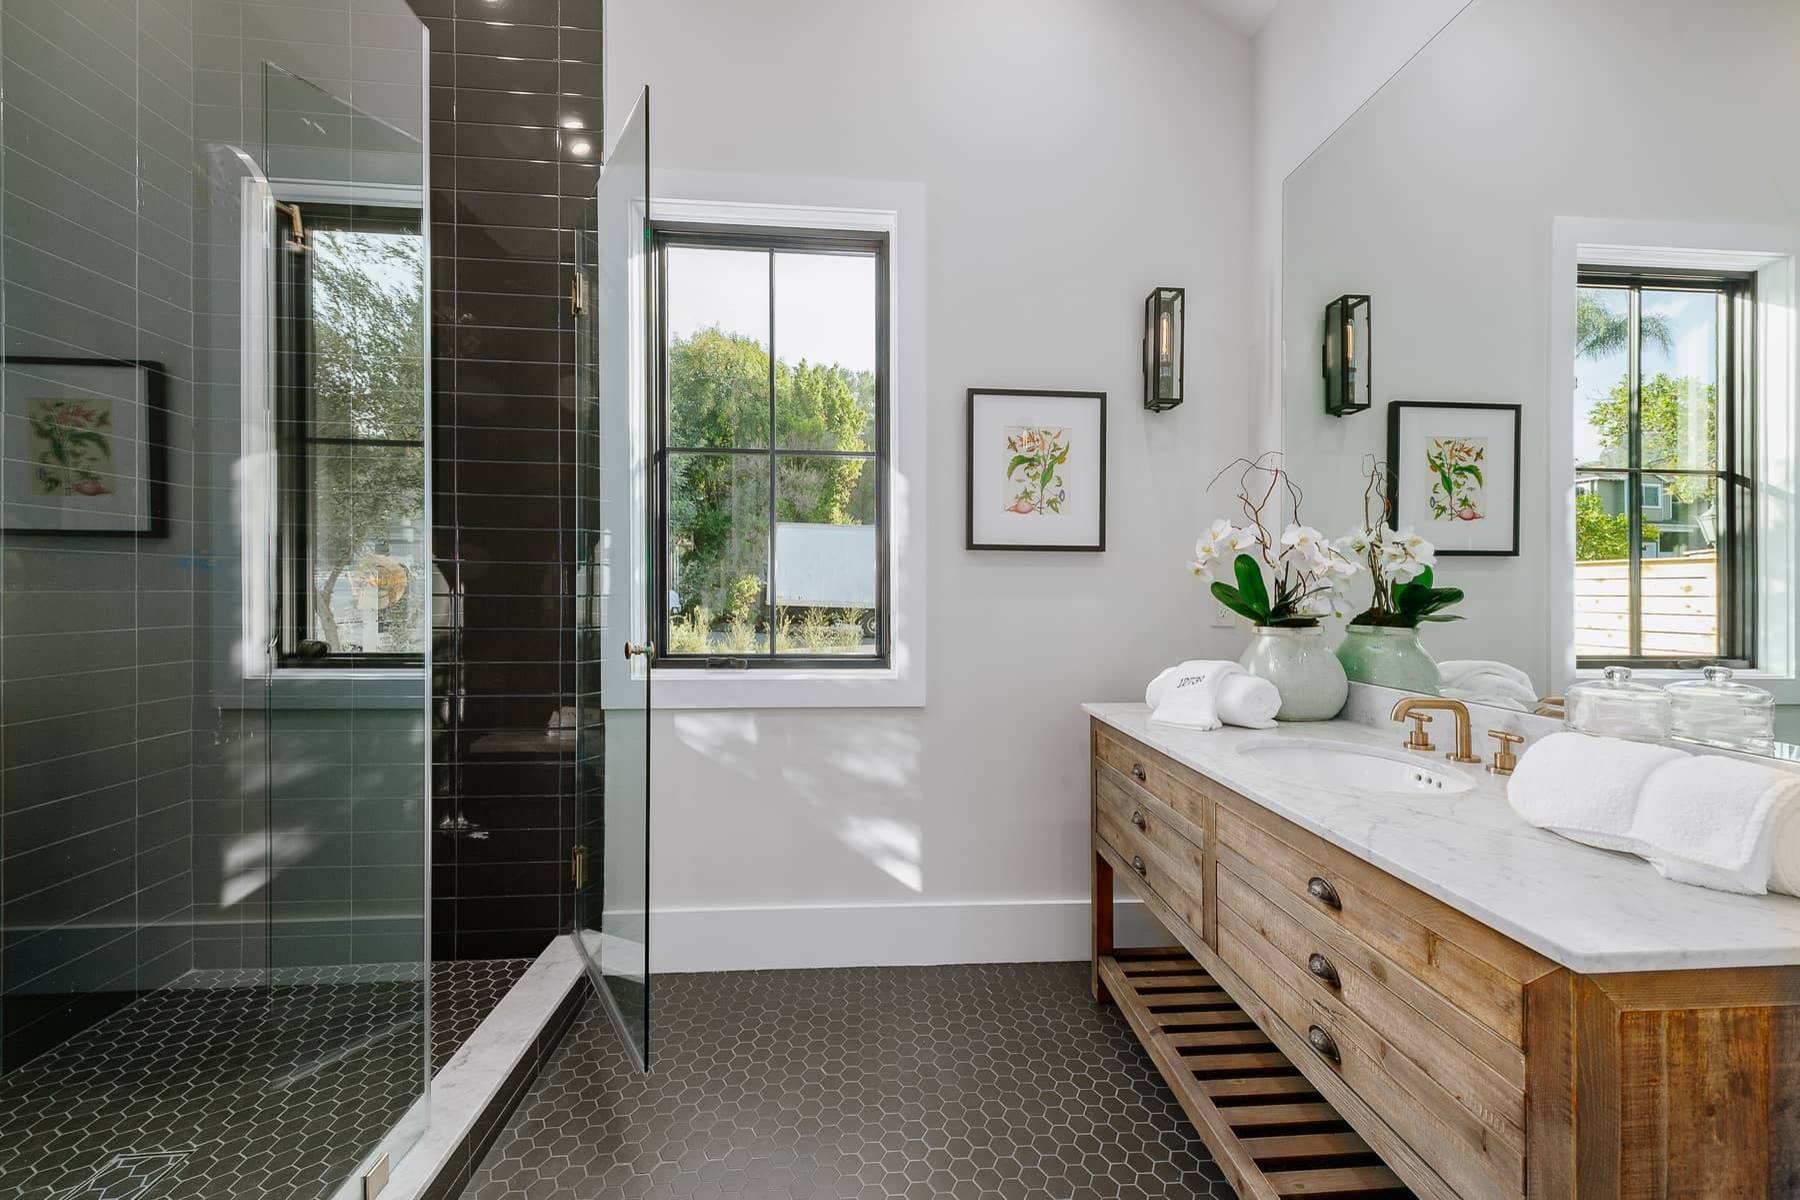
[1617,706]
[1716,687]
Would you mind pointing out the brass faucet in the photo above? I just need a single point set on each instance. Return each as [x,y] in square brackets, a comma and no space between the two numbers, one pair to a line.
[1464,753]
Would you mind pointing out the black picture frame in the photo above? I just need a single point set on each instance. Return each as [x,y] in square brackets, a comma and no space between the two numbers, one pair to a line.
[1395,413]
[156,449]
[970,542]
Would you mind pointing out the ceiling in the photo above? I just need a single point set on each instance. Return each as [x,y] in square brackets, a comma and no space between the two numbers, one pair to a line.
[1244,16]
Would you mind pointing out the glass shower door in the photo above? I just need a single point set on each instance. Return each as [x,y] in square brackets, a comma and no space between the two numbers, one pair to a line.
[610,862]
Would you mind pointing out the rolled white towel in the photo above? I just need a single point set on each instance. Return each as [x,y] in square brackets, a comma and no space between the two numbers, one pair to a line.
[1501,693]
[1721,823]
[1586,788]
[1460,672]
[1205,693]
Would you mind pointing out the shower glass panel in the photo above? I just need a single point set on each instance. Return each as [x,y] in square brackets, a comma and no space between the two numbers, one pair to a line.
[612,667]
[216,595]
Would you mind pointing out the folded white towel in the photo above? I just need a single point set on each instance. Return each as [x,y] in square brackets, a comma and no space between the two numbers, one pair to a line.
[1206,693]
[1501,693]
[1586,788]
[1721,823]
[1466,672]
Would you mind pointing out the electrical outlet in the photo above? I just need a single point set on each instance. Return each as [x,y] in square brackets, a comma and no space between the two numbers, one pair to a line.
[1223,618]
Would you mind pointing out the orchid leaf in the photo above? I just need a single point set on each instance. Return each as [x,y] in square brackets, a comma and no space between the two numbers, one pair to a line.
[1250,585]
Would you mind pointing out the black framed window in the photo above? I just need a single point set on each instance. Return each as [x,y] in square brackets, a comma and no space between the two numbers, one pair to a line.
[1665,488]
[772,448]
[353,580]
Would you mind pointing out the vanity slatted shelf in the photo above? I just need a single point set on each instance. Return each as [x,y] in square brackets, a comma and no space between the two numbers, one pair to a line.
[1332,1031]
[1269,1130]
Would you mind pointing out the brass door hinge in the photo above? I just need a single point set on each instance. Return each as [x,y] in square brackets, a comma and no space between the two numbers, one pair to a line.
[578,866]
[578,294]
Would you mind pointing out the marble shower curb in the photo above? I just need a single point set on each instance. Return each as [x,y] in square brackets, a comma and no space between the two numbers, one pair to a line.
[475,1094]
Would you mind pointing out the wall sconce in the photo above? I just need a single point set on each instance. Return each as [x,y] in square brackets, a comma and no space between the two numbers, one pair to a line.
[1347,356]
[1165,314]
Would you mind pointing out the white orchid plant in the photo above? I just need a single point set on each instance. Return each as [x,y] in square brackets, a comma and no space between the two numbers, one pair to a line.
[1305,572]
[1399,562]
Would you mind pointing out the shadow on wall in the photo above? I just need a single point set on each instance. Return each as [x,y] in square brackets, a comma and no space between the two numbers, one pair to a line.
[862,792]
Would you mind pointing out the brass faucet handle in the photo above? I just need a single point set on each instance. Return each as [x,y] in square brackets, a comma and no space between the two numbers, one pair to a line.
[1504,758]
[1419,739]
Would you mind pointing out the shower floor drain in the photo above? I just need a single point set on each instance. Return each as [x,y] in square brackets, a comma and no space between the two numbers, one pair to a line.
[128,1176]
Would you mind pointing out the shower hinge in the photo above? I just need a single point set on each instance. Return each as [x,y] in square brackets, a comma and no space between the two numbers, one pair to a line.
[578,294]
[578,866]
[376,1178]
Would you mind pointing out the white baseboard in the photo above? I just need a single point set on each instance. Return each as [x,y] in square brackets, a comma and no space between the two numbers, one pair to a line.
[884,935]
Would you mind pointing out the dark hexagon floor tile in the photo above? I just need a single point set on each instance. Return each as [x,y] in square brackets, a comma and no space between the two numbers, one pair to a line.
[989,1082]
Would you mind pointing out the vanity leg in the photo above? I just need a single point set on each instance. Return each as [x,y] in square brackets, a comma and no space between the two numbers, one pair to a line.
[1103,924]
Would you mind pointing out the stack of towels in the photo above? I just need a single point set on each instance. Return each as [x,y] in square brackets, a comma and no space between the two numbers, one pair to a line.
[1485,681]
[1207,693]
[1707,820]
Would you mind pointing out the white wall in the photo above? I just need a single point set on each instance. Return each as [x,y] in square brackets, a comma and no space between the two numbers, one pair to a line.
[1072,154]
[1440,200]
[1315,62]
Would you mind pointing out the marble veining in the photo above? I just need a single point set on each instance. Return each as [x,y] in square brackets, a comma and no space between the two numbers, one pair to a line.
[1590,910]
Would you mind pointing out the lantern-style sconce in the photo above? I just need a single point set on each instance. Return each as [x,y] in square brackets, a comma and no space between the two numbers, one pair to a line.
[1164,333]
[1347,356]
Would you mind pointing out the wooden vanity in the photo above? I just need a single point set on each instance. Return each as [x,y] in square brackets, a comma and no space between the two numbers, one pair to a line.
[1332,1030]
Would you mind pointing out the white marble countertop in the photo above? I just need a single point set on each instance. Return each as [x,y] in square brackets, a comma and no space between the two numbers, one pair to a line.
[1591,910]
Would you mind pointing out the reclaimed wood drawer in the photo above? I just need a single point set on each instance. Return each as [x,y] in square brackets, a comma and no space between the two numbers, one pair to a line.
[1463,1117]
[1480,972]
[1144,833]
[1170,782]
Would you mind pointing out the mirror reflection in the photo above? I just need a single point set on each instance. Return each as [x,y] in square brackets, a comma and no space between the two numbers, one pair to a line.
[1577,349]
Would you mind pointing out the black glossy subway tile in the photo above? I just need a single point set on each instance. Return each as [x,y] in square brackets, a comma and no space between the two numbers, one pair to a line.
[579,45]
[535,12]
[508,74]
[580,14]
[497,108]
[506,38]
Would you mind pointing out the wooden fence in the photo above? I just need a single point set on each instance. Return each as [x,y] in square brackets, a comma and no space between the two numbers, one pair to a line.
[1680,608]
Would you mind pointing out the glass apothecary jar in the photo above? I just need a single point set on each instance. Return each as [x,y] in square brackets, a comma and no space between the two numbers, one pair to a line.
[1615,706]
[1720,711]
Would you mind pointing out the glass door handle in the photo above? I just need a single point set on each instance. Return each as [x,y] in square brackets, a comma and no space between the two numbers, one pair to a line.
[636,650]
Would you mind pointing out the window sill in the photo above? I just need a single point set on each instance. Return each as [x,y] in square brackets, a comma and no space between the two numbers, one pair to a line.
[799,687]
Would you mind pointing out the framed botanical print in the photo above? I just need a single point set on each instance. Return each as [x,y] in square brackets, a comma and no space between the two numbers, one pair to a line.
[1453,474]
[1037,470]
[86,447]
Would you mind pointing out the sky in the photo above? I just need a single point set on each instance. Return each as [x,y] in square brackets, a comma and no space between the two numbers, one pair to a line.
[1694,354]
[824,303]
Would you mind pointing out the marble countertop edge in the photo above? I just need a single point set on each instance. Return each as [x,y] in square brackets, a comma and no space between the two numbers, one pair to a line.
[1592,911]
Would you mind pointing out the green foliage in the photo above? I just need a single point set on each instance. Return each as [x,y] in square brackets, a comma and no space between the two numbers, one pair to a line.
[368,382]
[1668,408]
[691,632]
[816,633]
[1600,332]
[718,504]
[1600,534]
[1415,601]
[1250,599]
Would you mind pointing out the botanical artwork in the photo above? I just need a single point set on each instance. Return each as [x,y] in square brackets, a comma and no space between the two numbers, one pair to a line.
[72,447]
[1457,466]
[1035,456]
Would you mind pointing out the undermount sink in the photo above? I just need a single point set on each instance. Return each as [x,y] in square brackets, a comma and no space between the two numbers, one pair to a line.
[1309,760]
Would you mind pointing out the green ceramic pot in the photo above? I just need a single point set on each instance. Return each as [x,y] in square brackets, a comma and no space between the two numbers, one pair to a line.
[1303,670]
[1388,655]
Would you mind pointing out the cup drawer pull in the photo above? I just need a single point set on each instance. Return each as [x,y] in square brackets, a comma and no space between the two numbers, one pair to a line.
[1137,818]
[1323,1044]
[1323,971]
[1138,773]
[1137,864]
[1323,892]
